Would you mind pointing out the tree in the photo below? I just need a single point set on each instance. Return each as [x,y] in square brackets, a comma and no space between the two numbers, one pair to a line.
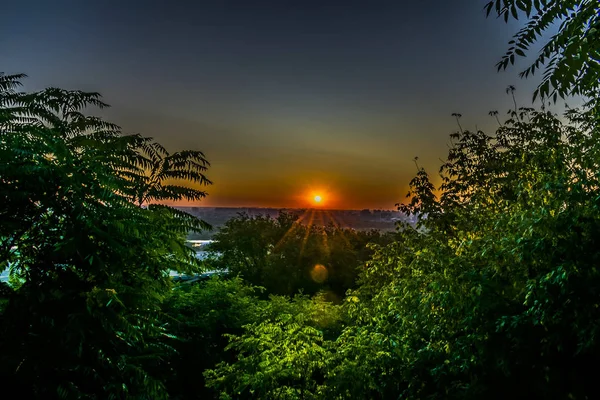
[492,295]
[286,256]
[282,355]
[571,57]
[495,296]
[164,168]
[199,316]
[93,265]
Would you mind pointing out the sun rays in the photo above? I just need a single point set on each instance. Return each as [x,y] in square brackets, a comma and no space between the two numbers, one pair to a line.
[315,222]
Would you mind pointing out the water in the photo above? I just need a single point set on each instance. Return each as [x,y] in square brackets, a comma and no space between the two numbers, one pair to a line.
[196,244]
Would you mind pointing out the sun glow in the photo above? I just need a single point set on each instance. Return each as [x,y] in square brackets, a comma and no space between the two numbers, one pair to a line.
[316,197]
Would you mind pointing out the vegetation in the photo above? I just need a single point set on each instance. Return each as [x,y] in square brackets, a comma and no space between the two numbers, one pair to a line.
[571,57]
[286,256]
[91,263]
[494,294]
[282,354]
[198,317]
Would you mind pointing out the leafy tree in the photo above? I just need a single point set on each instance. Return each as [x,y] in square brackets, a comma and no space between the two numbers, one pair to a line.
[492,295]
[164,168]
[496,296]
[93,265]
[198,316]
[283,355]
[571,57]
[286,256]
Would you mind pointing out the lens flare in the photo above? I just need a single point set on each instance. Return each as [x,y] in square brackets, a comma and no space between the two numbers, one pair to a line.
[319,273]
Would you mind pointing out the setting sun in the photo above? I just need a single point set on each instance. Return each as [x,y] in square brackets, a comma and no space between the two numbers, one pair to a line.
[318,199]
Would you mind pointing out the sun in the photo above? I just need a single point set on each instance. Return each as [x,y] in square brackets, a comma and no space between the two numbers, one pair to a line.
[317,197]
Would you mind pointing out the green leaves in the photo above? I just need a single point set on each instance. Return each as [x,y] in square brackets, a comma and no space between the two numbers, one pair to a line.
[289,254]
[496,284]
[571,56]
[93,263]
[161,169]
[283,354]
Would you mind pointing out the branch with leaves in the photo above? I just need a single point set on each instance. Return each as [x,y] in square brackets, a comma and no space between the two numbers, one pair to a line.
[570,58]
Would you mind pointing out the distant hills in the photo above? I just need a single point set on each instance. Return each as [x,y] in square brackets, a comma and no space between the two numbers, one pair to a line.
[384,220]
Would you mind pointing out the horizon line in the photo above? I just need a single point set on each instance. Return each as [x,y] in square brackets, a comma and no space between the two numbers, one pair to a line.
[291,208]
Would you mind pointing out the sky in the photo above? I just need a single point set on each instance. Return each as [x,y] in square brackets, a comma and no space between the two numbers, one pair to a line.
[287,99]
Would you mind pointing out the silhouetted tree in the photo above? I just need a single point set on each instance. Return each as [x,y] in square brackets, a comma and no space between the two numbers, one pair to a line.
[88,264]
[571,57]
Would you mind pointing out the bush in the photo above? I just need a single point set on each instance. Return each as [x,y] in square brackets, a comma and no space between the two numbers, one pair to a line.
[287,257]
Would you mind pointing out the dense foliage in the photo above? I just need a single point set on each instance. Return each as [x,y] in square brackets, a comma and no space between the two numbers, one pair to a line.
[198,317]
[286,256]
[282,354]
[89,262]
[494,294]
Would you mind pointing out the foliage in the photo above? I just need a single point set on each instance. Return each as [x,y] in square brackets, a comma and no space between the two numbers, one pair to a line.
[199,316]
[286,256]
[283,355]
[496,296]
[571,57]
[5,292]
[93,264]
[492,295]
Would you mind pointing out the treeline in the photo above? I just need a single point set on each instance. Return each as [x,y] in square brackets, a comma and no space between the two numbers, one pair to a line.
[286,256]
[494,294]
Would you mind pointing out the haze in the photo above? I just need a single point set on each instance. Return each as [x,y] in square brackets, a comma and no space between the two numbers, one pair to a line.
[286,99]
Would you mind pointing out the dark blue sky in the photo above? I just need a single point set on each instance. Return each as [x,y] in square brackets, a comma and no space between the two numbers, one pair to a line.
[284,97]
